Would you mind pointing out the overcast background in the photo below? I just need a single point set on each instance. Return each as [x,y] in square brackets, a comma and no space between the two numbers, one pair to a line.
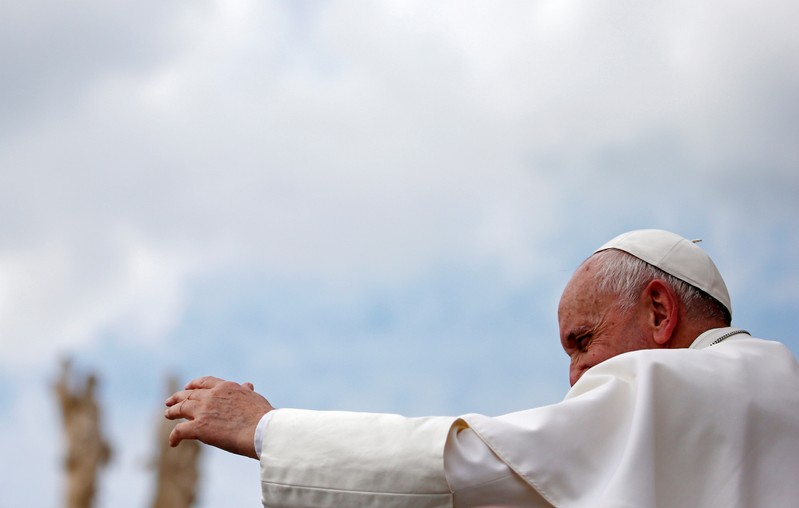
[361,205]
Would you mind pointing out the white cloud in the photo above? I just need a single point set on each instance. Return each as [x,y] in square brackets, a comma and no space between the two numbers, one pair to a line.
[359,146]
[63,294]
[369,140]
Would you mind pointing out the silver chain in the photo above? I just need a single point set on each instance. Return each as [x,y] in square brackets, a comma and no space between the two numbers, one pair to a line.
[728,335]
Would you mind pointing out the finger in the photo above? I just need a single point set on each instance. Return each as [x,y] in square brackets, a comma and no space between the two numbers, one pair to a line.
[185,410]
[178,397]
[181,431]
[203,382]
[249,386]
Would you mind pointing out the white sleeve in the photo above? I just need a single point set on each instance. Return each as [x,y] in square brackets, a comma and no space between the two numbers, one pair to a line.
[332,458]
[258,439]
[478,477]
[311,458]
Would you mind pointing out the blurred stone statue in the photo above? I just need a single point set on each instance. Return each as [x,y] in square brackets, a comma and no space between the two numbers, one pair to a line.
[86,450]
[177,468]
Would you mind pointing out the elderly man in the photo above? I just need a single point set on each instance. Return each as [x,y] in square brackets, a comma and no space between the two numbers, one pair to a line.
[669,406]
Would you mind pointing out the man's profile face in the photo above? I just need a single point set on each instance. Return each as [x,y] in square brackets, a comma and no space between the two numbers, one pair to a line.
[592,327]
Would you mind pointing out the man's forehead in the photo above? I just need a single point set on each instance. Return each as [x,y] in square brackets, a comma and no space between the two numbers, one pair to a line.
[581,287]
[583,275]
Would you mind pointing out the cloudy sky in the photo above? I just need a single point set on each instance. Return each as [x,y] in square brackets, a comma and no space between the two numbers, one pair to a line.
[361,205]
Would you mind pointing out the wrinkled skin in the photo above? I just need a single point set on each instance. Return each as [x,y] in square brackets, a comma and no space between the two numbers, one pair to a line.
[219,413]
[593,327]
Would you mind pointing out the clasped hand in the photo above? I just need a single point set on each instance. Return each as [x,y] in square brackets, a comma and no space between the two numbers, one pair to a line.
[217,412]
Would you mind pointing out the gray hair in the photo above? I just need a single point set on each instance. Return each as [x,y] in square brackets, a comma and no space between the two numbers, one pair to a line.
[625,275]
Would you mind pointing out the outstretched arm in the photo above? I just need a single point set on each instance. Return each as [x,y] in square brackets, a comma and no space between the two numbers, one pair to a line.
[217,412]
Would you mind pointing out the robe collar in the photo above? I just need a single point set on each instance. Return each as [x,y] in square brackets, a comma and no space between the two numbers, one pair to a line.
[716,335]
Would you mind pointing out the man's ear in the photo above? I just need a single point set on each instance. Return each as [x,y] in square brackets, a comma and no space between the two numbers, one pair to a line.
[663,311]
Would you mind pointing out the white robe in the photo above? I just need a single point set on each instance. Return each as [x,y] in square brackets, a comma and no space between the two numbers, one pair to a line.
[705,426]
